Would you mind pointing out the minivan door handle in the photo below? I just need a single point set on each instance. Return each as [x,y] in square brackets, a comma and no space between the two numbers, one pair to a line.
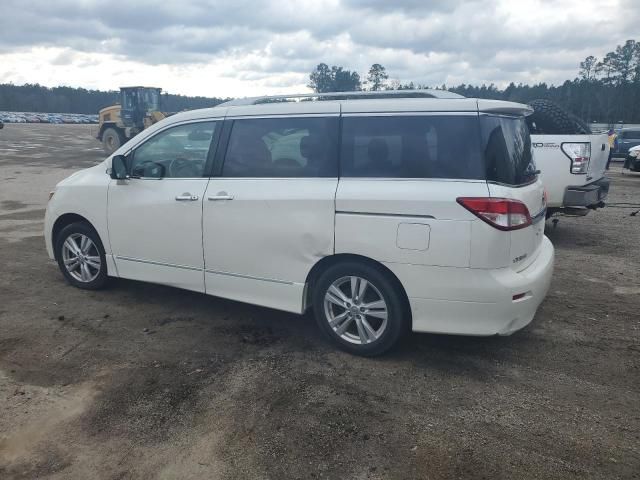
[222,196]
[186,197]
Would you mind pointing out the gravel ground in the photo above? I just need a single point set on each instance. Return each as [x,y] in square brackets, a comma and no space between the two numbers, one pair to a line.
[146,381]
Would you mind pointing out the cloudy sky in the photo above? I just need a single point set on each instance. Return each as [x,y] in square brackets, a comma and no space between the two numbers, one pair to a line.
[254,47]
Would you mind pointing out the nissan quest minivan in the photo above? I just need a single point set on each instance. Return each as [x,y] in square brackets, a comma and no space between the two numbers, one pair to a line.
[380,214]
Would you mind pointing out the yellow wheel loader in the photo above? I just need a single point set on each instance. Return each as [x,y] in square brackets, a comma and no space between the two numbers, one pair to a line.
[139,108]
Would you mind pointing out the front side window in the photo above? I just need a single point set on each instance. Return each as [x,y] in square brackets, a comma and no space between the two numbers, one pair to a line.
[507,150]
[420,146]
[178,152]
[282,147]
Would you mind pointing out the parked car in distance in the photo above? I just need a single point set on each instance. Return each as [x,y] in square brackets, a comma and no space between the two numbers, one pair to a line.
[632,160]
[627,138]
[371,212]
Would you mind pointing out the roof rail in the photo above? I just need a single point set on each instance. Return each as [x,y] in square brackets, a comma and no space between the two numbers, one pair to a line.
[427,93]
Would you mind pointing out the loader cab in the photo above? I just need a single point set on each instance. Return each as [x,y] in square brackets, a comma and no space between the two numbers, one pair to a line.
[139,108]
[136,103]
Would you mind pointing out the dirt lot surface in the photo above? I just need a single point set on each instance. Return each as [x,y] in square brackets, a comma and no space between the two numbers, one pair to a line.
[146,381]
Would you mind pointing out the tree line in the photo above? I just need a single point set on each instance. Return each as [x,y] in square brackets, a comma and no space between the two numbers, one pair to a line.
[605,90]
[36,98]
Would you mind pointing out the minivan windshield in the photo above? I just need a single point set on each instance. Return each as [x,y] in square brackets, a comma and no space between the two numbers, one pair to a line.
[507,150]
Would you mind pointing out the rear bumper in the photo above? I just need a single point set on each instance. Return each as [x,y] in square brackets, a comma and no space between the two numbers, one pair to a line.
[587,195]
[478,302]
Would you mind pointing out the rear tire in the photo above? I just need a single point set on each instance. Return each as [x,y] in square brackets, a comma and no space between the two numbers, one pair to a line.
[360,308]
[81,257]
[111,140]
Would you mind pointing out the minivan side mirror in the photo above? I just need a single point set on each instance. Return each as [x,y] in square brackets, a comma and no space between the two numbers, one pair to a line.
[119,168]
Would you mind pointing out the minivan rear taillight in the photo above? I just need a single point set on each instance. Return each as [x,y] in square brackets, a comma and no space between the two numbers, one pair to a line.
[579,154]
[501,213]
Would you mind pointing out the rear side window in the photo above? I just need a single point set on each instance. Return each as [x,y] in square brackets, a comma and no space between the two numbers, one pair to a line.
[283,147]
[429,146]
[507,150]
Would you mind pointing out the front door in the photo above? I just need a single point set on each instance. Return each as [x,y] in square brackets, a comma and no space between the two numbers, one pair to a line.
[269,216]
[155,217]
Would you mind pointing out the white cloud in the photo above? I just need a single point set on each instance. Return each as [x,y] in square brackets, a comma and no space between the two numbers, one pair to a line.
[222,48]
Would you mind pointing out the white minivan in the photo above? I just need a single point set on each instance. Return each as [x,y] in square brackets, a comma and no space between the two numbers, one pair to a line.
[380,214]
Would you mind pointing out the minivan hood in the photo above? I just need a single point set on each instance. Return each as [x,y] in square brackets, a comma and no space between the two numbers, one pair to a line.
[80,174]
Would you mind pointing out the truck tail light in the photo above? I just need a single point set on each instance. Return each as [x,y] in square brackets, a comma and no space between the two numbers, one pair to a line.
[579,154]
[501,213]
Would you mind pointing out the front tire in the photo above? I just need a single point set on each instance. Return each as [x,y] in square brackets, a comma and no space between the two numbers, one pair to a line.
[111,140]
[81,257]
[359,308]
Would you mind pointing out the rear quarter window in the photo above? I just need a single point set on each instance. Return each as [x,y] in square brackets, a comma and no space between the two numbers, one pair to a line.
[416,146]
[506,145]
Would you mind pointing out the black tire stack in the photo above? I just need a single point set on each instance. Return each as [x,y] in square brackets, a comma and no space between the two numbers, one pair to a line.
[551,119]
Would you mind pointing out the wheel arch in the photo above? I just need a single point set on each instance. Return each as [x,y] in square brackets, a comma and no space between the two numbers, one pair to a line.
[67,219]
[324,263]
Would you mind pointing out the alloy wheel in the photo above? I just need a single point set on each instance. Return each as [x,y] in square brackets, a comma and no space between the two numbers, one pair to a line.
[356,310]
[81,257]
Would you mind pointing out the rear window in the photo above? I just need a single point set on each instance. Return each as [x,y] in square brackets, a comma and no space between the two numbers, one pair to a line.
[420,146]
[507,150]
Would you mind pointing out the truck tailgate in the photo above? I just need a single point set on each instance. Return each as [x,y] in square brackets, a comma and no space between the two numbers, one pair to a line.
[555,164]
[599,156]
